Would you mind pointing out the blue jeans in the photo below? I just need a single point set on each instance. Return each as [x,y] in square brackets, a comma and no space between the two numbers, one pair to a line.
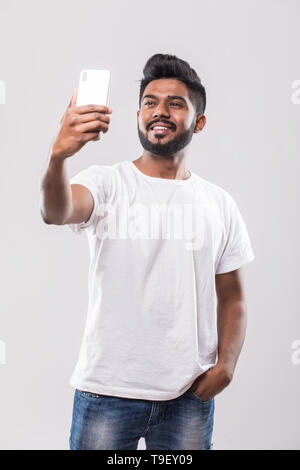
[102,422]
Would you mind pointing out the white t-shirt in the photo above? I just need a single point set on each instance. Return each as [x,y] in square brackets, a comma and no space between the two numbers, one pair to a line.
[155,247]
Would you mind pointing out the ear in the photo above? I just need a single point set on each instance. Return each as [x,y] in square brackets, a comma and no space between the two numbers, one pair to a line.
[200,123]
[138,113]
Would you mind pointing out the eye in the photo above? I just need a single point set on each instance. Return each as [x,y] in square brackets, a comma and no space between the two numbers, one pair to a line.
[172,103]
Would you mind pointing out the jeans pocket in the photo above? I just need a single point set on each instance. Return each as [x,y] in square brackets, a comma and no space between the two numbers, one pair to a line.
[198,398]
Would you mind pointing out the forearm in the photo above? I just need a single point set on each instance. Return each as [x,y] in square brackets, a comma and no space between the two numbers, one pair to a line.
[56,193]
[232,323]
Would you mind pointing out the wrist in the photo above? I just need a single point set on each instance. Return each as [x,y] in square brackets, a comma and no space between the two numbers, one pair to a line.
[57,153]
[226,370]
[57,163]
[56,156]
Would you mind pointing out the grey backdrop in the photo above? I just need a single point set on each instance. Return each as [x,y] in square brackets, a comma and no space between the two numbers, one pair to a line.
[247,55]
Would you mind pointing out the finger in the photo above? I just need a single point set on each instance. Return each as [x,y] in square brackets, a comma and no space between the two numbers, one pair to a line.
[62,118]
[97,138]
[92,108]
[207,397]
[201,392]
[89,117]
[94,126]
[74,98]
[87,136]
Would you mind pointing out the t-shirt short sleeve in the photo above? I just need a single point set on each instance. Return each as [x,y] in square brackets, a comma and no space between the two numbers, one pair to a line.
[92,180]
[237,249]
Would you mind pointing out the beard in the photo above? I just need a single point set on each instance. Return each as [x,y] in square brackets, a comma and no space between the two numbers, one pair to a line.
[171,147]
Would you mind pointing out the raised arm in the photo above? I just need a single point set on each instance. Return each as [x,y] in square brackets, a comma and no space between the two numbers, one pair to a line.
[62,203]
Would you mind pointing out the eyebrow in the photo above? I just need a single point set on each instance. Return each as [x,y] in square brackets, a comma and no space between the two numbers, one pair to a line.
[172,97]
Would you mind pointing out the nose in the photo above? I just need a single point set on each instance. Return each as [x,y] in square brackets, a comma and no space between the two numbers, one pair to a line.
[161,110]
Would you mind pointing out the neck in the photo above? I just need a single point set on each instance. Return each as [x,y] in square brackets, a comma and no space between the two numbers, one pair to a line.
[162,167]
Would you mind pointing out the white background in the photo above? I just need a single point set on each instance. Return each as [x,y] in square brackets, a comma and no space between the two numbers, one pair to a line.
[247,55]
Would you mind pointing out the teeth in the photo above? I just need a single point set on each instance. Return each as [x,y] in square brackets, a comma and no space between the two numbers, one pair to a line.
[160,127]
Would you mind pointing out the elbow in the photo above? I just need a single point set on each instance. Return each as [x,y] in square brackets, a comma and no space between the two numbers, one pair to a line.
[52,222]
[46,221]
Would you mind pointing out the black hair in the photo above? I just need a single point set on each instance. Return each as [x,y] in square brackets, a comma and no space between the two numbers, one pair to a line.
[170,66]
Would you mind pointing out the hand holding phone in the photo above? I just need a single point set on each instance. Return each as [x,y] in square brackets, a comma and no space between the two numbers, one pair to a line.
[79,125]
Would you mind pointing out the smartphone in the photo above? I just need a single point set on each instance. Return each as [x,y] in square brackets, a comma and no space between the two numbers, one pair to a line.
[93,87]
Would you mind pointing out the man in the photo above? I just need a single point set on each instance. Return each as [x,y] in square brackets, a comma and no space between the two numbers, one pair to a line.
[166,317]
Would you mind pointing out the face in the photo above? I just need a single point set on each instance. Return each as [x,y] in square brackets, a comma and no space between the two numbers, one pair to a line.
[166,102]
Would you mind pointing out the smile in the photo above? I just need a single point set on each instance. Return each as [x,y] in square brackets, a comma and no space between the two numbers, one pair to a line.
[160,130]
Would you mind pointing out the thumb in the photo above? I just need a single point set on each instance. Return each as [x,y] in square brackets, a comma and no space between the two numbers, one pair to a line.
[74,98]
